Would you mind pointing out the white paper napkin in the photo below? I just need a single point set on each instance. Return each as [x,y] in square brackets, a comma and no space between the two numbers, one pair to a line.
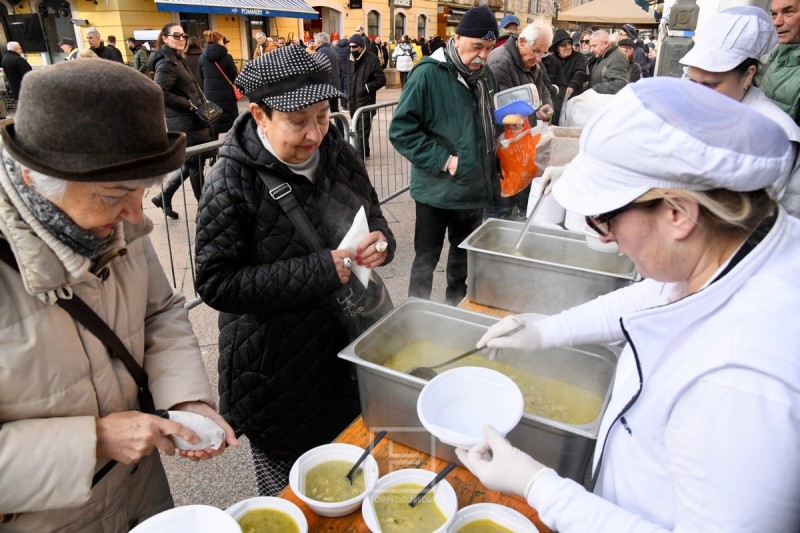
[211,435]
[357,231]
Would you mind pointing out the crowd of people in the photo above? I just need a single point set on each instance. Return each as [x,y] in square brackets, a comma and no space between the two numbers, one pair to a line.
[702,427]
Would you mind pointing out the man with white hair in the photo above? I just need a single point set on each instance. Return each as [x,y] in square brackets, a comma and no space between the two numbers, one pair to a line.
[608,70]
[519,62]
[15,66]
[323,42]
[96,44]
[444,125]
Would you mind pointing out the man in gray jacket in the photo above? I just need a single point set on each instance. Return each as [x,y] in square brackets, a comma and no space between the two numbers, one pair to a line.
[519,62]
[608,71]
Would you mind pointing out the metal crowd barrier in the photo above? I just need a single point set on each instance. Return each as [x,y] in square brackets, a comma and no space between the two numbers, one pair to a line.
[388,171]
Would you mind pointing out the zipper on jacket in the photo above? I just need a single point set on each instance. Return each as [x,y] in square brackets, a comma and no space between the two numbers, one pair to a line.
[620,416]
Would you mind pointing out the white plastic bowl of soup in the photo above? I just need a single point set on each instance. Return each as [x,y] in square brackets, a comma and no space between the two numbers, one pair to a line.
[386,509]
[318,479]
[268,515]
[491,518]
[457,404]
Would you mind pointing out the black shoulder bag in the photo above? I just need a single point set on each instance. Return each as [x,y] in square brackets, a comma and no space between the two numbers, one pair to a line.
[84,314]
[360,307]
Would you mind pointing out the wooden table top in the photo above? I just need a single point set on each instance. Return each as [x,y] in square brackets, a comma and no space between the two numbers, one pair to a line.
[393,456]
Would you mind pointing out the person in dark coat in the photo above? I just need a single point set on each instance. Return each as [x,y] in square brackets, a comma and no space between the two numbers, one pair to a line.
[215,64]
[435,43]
[181,96]
[14,67]
[365,78]
[323,42]
[516,63]
[627,47]
[281,382]
[342,50]
[192,55]
[567,70]
[629,31]
[112,44]
[96,44]
[383,51]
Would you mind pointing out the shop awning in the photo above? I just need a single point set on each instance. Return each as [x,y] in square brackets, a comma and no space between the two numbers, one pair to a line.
[608,12]
[250,8]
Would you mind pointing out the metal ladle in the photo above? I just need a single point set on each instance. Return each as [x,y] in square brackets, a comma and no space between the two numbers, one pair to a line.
[429,372]
[544,192]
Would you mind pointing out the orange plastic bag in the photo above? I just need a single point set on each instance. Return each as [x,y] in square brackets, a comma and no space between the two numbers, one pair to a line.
[517,153]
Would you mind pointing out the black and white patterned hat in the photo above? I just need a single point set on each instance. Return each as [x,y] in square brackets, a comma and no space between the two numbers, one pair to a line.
[288,79]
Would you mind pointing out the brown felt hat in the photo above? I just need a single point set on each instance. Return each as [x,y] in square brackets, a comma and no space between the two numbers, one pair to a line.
[92,121]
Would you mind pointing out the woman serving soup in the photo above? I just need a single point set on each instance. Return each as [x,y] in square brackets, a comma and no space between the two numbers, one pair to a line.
[703,426]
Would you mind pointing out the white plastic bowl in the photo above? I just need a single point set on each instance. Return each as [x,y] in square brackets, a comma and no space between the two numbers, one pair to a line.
[332,452]
[500,514]
[593,241]
[195,518]
[457,404]
[238,510]
[575,222]
[443,495]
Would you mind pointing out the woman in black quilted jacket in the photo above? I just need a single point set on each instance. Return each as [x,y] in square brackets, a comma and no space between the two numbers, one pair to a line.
[213,63]
[181,96]
[281,382]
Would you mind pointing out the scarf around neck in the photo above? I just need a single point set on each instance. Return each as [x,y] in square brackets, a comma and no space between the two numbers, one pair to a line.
[57,222]
[479,86]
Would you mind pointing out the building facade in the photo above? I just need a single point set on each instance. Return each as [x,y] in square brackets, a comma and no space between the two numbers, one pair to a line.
[39,25]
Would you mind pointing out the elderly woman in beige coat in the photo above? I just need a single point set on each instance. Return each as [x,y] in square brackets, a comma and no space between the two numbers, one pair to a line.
[71,187]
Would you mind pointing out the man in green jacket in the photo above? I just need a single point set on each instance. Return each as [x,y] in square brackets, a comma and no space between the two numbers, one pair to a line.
[608,71]
[444,125]
[781,80]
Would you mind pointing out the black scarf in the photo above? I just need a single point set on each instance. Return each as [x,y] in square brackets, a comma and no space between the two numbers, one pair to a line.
[479,86]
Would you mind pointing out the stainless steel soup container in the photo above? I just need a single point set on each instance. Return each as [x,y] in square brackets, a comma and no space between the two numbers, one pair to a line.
[389,397]
[556,270]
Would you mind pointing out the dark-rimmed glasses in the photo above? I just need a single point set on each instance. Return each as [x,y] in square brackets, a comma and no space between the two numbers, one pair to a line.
[584,41]
[178,36]
[602,223]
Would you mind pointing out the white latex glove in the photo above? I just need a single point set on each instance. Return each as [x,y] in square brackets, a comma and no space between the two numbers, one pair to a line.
[500,466]
[211,435]
[505,334]
[549,177]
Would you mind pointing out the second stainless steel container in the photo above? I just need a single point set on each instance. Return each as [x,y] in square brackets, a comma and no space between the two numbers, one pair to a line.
[554,269]
[389,397]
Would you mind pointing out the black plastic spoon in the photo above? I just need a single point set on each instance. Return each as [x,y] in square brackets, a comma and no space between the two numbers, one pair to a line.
[364,455]
[440,476]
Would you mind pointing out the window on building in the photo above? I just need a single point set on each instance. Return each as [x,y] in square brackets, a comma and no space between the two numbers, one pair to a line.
[399,25]
[373,23]
[422,26]
[195,24]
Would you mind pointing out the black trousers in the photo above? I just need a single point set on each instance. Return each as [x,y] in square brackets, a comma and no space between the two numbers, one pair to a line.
[429,232]
[363,131]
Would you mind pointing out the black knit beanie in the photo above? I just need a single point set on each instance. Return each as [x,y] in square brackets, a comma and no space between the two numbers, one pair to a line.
[479,23]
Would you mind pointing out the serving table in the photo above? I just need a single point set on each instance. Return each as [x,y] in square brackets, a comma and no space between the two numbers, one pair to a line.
[393,456]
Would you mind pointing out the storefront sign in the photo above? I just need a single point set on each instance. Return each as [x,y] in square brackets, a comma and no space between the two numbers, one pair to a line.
[402,3]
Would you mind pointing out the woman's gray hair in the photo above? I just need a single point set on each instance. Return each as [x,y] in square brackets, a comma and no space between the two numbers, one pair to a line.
[322,37]
[53,188]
